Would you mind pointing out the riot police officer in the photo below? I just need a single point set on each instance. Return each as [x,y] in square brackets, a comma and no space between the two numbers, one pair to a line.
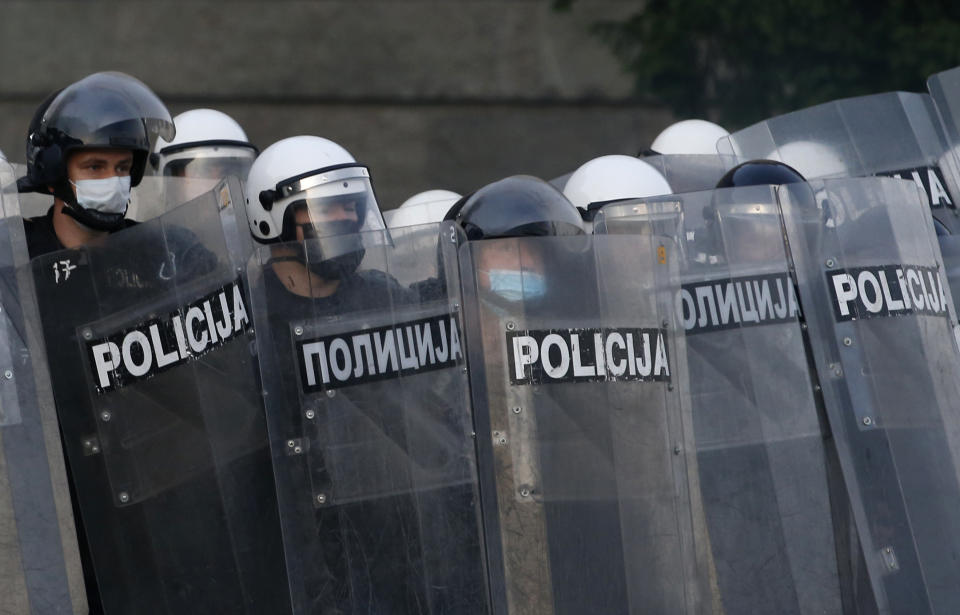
[375,493]
[88,146]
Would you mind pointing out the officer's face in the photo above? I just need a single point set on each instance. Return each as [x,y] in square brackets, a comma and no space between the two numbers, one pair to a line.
[99,164]
[506,255]
[316,214]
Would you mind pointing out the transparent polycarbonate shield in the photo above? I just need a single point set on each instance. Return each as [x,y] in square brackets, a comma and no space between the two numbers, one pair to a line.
[691,172]
[882,325]
[587,471]
[944,89]
[368,411]
[149,336]
[39,562]
[31,203]
[894,134]
[157,195]
[770,489]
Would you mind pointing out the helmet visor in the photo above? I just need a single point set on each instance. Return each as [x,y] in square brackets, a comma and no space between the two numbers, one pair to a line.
[209,163]
[108,110]
[332,203]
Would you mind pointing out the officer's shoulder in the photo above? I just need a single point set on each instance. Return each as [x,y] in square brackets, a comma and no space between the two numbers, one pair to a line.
[374,277]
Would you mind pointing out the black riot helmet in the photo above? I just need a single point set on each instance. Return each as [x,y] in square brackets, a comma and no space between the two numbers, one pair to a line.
[743,223]
[107,110]
[517,206]
[760,173]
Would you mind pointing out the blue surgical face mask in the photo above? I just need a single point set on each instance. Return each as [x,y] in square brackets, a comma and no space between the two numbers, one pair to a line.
[517,285]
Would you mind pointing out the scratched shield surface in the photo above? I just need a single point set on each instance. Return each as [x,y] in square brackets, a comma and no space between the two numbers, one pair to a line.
[39,561]
[364,373]
[580,399]
[148,335]
[883,330]
[765,473]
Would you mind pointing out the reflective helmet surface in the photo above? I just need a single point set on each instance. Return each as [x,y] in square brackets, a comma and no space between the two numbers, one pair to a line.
[208,144]
[759,173]
[422,208]
[104,110]
[612,178]
[517,206]
[689,137]
[310,171]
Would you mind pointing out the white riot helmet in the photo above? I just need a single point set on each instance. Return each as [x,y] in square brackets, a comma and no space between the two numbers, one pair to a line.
[208,145]
[689,137]
[422,208]
[613,178]
[313,173]
[811,159]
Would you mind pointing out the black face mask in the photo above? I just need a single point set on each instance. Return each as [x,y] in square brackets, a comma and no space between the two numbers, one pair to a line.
[331,250]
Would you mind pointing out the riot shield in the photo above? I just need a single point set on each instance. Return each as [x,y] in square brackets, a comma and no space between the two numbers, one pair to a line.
[367,404]
[578,379]
[691,172]
[882,328]
[39,562]
[684,172]
[892,134]
[772,494]
[149,337]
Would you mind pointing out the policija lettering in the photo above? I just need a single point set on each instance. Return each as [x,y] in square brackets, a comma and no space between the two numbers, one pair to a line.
[886,290]
[928,179]
[587,355]
[159,344]
[368,355]
[737,302]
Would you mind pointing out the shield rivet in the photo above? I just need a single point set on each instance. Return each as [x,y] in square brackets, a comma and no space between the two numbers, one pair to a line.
[511,325]
[297,450]
[321,498]
[847,341]
[8,374]
[123,496]
[298,330]
[310,414]
[517,410]
[830,262]
[676,450]
[867,421]
[87,334]
[291,443]
[105,416]
[524,492]
[331,393]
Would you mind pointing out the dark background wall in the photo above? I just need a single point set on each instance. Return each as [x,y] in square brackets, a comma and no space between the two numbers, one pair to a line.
[431,94]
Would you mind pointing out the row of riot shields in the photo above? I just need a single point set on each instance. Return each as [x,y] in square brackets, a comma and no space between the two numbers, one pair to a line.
[730,401]
[823,368]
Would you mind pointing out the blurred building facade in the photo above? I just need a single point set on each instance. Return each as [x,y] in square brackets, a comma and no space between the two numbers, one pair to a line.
[429,93]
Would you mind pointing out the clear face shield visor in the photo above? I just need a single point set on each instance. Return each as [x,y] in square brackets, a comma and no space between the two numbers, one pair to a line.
[209,162]
[333,214]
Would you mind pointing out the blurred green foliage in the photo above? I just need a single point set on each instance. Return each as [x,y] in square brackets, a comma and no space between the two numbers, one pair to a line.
[737,62]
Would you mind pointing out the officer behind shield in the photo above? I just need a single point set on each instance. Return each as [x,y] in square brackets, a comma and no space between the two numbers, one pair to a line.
[518,206]
[209,146]
[311,198]
[88,146]
[314,207]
